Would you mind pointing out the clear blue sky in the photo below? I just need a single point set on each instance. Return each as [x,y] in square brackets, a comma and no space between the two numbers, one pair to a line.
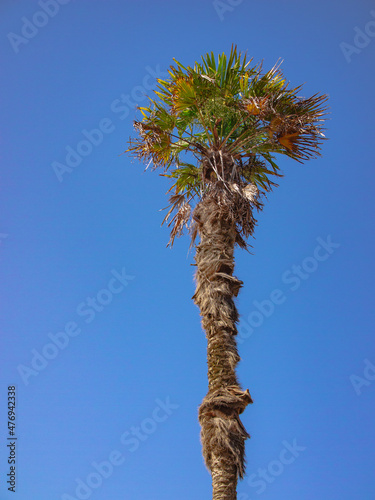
[98,330]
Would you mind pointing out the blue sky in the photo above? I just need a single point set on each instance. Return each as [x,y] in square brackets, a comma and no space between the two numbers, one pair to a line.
[98,330]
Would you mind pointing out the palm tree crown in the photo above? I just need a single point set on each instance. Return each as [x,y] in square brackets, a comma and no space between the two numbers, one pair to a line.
[233,118]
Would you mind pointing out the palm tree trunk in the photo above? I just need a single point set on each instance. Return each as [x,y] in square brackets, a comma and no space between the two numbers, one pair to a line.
[222,432]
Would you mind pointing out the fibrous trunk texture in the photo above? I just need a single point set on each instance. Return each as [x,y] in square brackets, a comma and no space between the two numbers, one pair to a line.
[222,432]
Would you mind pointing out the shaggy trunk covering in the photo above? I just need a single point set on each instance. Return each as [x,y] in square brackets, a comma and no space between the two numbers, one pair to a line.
[222,433]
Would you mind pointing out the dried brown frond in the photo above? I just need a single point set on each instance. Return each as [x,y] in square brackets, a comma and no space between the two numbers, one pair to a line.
[179,221]
[152,146]
[256,106]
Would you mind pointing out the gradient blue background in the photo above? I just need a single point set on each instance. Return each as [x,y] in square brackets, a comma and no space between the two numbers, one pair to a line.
[60,241]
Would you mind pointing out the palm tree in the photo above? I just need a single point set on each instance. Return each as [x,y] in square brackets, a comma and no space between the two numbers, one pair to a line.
[231,118]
